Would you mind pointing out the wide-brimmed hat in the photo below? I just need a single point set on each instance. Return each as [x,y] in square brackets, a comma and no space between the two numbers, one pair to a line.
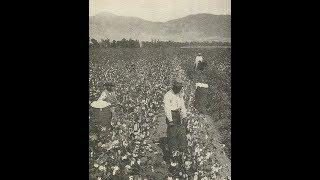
[100,104]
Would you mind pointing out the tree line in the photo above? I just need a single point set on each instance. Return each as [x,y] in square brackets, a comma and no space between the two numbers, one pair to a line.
[107,43]
[130,43]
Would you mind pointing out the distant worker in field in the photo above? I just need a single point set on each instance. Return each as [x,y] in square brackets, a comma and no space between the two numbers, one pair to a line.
[102,110]
[199,59]
[201,94]
[176,114]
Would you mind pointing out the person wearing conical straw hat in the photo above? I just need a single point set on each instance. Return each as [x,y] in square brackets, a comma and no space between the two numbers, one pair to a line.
[101,109]
[176,113]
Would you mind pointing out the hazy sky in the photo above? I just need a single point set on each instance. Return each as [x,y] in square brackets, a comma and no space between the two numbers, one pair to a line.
[159,10]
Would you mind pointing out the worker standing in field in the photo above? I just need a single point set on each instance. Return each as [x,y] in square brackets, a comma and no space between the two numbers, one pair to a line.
[102,109]
[176,114]
[198,60]
[201,93]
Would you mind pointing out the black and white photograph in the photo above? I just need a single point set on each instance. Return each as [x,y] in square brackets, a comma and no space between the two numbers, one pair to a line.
[151,90]
[160,89]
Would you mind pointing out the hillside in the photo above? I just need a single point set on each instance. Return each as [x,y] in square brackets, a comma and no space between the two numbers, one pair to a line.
[197,27]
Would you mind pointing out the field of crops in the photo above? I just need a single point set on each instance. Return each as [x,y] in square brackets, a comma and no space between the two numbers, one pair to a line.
[142,77]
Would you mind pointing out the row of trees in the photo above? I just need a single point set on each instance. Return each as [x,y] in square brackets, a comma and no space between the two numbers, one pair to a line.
[106,43]
[158,43]
[124,43]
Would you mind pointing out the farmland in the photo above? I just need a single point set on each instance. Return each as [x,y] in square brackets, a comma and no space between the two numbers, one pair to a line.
[142,77]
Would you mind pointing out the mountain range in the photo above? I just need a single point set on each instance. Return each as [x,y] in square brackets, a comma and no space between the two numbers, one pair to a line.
[198,27]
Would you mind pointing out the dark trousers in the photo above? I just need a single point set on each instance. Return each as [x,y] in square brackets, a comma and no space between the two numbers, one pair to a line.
[201,102]
[163,144]
[100,118]
[176,133]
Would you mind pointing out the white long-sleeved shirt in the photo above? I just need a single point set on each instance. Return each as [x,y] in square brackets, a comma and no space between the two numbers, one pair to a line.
[198,59]
[174,102]
[103,96]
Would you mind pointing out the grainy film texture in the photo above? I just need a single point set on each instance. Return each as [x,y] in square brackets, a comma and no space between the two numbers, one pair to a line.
[160,89]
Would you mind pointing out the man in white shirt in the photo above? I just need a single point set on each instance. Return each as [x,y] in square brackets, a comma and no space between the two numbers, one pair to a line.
[198,59]
[174,106]
[176,113]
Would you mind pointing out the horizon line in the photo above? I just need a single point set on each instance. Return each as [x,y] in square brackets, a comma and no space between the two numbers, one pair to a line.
[105,11]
